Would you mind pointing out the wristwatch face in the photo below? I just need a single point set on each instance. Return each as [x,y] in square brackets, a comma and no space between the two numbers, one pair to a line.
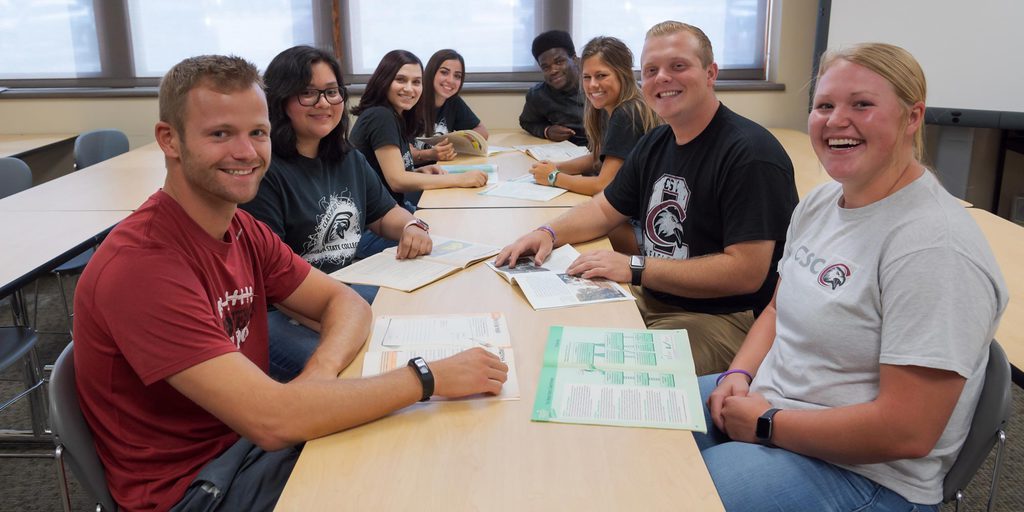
[552,176]
[636,262]
[763,430]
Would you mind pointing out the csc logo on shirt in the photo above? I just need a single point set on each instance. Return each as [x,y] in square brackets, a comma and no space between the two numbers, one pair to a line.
[830,276]
[663,225]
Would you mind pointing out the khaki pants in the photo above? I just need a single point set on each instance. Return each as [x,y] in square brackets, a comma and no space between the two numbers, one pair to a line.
[714,339]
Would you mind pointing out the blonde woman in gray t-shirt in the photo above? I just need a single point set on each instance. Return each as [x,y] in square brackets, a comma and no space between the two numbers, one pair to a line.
[855,387]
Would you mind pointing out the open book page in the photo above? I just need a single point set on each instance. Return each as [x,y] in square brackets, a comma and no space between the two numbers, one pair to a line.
[490,170]
[523,187]
[382,269]
[405,331]
[494,150]
[620,377]
[459,253]
[549,286]
[555,152]
[465,142]
[377,362]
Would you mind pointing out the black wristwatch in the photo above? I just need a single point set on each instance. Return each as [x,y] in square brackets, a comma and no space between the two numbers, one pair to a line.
[636,266]
[763,431]
[426,377]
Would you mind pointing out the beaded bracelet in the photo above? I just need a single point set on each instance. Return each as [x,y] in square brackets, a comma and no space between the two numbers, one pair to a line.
[728,372]
[554,239]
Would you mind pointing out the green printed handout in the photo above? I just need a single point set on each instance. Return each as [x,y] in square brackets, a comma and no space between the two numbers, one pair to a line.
[619,377]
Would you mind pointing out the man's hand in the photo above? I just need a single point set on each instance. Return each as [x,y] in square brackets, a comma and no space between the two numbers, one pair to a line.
[739,416]
[538,243]
[472,179]
[414,242]
[541,170]
[558,133]
[607,264]
[431,169]
[734,384]
[444,150]
[468,373]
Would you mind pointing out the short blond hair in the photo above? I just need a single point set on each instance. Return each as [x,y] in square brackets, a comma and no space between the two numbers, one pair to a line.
[222,73]
[667,28]
[896,65]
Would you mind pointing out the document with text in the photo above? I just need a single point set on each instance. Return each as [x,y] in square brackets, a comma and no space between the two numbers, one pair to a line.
[383,269]
[554,152]
[549,286]
[619,377]
[397,339]
[523,187]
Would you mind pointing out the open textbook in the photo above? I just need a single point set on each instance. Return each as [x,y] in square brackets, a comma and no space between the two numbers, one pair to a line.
[619,377]
[465,142]
[523,187]
[447,257]
[490,170]
[556,152]
[548,286]
[396,339]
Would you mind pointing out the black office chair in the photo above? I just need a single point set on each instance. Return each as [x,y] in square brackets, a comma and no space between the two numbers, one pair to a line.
[75,447]
[988,428]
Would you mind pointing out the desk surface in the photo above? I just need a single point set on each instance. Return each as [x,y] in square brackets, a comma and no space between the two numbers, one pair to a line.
[32,240]
[511,165]
[489,455]
[17,145]
[1007,242]
[120,183]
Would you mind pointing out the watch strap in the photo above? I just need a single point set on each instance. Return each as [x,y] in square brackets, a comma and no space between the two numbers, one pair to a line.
[422,371]
[766,427]
[552,177]
[418,223]
[637,271]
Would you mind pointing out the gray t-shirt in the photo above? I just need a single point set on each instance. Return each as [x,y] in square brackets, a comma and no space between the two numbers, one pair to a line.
[908,280]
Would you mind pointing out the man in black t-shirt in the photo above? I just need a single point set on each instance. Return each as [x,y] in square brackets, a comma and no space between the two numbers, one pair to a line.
[713,193]
[554,107]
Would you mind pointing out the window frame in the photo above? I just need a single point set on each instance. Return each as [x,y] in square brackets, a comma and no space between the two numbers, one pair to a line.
[117,75]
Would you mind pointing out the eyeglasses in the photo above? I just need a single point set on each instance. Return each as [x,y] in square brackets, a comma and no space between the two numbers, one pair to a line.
[310,97]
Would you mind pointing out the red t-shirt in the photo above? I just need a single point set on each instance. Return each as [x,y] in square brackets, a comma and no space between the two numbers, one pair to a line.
[160,296]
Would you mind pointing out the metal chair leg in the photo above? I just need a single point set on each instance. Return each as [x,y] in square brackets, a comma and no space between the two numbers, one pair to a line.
[996,467]
[62,478]
[67,308]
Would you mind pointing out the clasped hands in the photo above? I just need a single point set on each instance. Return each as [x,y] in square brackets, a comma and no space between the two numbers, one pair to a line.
[734,409]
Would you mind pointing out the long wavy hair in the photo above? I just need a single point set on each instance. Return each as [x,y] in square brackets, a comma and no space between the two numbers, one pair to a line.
[427,109]
[376,94]
[616,55]
[288,74]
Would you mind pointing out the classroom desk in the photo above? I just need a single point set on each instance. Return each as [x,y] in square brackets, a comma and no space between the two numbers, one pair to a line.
[489,455]
[120,183]
[49,155]
[511,164]
[34,242]
[1007,242]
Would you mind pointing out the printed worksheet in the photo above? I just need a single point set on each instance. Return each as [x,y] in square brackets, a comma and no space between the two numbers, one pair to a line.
[523,187]
[549,286]
[378,362]
[404,331]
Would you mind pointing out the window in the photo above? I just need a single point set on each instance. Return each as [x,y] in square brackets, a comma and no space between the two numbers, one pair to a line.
[69,48]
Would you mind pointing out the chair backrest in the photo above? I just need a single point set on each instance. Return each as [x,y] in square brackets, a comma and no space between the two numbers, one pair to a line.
[990,416]
[15,176]
[98,145]
[71,431]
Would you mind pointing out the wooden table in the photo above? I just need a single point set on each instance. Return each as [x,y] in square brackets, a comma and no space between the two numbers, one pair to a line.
[49,155]
[34,242]
[22,144]
[489,455]
[1007,242]
[511,165]
[120,183]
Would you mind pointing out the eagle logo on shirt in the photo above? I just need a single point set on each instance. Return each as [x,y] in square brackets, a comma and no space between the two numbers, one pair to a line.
[834,275]
[663,225]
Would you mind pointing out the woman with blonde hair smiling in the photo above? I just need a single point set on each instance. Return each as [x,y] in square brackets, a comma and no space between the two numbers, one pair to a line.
[855,388]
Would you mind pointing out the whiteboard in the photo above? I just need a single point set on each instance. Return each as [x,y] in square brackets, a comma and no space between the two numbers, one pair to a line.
[972,51]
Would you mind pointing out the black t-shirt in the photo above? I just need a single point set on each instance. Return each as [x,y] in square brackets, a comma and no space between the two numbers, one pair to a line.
[732,183]
[622,130]
[375,128]
[454,115]
[321,210]
[546,106]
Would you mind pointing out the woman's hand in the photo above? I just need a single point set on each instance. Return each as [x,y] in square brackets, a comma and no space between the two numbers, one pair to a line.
[734,384]
[444,151]
[431,169]
[739,416]
[472,179]
[541,170]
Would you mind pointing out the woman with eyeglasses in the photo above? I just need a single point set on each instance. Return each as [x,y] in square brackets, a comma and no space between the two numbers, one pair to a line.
[443,110]
[387,124]
[319,195]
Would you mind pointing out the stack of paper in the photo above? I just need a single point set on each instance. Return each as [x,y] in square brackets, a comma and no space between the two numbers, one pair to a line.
[523,187]
[397,339]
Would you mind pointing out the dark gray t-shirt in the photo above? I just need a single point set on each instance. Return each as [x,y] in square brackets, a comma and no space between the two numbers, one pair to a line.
[375,128]
[321,210]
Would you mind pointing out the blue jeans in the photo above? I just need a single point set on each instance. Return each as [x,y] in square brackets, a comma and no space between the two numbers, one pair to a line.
[754,477]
